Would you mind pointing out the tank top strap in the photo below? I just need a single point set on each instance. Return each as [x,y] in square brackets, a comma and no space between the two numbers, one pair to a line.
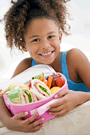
[33,63]
[64,65]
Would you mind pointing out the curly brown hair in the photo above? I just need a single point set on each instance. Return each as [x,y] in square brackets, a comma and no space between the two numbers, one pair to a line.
[23,11]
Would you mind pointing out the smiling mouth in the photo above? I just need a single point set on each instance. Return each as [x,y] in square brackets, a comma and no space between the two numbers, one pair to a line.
[45,54]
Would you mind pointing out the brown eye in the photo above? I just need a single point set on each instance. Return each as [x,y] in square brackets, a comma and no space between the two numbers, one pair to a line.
[50,37]
[35,40]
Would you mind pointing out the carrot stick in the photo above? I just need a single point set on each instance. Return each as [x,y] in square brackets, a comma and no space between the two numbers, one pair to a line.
[42,79]
[49,83]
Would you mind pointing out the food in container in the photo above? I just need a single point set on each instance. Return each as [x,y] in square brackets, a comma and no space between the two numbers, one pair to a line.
[40,88]
[42,93]
[17,95]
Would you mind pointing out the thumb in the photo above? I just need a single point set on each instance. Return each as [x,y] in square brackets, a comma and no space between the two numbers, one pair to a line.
[61,94]
[20,115]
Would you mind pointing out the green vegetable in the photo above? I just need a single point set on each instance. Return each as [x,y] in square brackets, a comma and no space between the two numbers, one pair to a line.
[44,89]
[28,94]
[39,76]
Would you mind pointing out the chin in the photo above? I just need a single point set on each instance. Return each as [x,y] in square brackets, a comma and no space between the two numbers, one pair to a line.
[48,62]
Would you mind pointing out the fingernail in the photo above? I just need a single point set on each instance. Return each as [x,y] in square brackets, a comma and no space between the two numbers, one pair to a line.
[56,96]
[50,113]
[48,107]
[42,119]
[37,114]
[26,113]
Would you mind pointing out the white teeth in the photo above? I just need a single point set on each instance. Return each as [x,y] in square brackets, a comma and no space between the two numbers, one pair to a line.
[47,53]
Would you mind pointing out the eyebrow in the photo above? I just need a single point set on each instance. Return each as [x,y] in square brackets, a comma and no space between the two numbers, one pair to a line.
[38,35]
[33,36]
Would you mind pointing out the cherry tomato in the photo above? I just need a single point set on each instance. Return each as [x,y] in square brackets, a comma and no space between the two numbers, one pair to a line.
[60,81]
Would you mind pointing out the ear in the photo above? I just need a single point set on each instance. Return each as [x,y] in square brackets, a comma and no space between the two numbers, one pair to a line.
[24,47]
[60,36]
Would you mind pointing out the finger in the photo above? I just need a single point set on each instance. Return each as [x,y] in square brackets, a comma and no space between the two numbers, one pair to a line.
[20,115]
[57,109]
[59,114]
[37,128]
[36,123]
[61,94]
[28,129]
[57,103]
[30,119]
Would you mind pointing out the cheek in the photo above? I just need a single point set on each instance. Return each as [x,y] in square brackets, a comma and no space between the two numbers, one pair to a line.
[58,46]
[57,43]
[32,50]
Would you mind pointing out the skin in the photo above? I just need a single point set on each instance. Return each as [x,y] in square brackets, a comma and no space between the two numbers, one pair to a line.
[43,36]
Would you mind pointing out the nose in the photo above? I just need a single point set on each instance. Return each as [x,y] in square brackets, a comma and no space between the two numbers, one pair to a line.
[45,44]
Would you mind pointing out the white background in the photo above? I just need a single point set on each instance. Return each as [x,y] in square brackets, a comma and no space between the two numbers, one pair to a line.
[80,38]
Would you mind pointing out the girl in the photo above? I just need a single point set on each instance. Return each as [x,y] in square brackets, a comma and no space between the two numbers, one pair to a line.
[36,26]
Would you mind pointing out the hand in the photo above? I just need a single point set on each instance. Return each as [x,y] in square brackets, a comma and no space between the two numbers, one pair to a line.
[17,123]
[68,100]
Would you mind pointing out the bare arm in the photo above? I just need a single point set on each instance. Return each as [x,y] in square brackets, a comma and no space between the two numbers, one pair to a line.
[23,65]
[81,65]
[82,68]
[4,112]
[16,122]
[78,65]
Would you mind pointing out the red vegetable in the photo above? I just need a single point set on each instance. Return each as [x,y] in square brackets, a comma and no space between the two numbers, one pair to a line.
[29,85]
[60,81]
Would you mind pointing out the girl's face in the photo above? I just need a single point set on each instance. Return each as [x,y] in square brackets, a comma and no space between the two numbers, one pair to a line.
[42,40]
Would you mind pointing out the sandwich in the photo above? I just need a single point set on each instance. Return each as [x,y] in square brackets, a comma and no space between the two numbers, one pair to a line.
[40,89]
[18,95]
[13,85]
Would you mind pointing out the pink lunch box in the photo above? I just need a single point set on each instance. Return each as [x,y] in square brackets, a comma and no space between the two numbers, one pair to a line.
[39,106]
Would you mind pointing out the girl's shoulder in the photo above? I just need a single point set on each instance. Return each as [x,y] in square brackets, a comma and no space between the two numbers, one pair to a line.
[22,66]
[75,59]
[77,64]
[75,55]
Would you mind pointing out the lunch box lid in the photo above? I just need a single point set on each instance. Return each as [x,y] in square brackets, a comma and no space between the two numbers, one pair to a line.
[26,75]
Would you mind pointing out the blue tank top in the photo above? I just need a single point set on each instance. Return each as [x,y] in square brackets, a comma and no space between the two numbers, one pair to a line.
[33,63]
[71,85]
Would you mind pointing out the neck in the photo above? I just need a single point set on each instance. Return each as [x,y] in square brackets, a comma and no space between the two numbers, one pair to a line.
[56,65]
